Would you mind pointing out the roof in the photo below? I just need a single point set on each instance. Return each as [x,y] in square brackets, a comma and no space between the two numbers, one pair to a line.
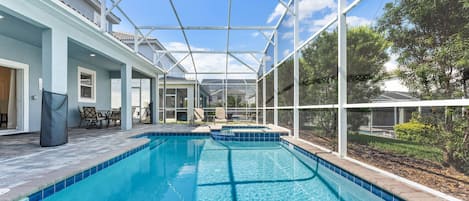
[395,96]
[128,37]
[176,80]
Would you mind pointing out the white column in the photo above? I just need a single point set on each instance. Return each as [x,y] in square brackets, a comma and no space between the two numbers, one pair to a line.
[54,61]
[155,95]
[342,79]
[103,16]
[264,94]
[275,79]
[401,115]
[257,101]
[190,104]
[296,73]
[126,97]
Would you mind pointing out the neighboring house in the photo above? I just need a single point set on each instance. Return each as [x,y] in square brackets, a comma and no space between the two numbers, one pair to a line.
[180,91]
[382,120]
[144,48]
[238,89]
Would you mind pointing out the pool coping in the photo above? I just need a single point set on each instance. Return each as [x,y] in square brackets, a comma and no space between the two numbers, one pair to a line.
[354,170]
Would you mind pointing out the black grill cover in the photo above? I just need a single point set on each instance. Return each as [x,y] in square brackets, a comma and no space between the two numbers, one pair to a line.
[54,119]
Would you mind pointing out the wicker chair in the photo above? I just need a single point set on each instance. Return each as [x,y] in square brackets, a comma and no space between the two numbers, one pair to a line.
[115,116]
[92,117]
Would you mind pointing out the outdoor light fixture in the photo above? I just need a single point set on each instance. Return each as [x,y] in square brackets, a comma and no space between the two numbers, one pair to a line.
[1,17]
[92,55]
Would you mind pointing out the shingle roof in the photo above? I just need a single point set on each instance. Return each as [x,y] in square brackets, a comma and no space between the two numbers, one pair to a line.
[128,37]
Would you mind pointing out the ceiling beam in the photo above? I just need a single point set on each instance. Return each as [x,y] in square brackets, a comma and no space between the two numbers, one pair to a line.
[242,62]
[254,28]
[221,73]
[208,52]
[177,63]
[184,34]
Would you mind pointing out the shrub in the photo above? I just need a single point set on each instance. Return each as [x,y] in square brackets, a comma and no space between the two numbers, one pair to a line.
[449,132]
[415,131]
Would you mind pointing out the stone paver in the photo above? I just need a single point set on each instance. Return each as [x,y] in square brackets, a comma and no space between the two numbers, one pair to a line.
[26,167]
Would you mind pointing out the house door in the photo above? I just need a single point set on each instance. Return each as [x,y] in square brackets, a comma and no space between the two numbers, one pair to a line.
[12,106]
[171,107]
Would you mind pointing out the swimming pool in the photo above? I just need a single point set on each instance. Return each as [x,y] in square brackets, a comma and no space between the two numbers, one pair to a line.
[200,168]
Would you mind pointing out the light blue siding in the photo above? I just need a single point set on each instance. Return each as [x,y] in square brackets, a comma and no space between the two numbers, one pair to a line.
[103,90]
[15,50]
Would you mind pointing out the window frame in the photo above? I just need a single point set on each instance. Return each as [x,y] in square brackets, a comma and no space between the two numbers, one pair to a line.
[87,71]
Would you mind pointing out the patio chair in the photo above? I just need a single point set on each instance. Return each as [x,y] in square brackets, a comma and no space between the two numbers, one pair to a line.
[220,115]
[82,116]
[115,117]
[93,117]
[199,115]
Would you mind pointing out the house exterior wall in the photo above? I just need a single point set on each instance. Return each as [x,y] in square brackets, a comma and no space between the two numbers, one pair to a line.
[64,24]
[22,52]
[87,10]
[82,6]
[103,90]
[165,62]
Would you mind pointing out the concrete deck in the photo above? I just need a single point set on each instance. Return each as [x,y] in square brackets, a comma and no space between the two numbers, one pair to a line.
[26,167]
[391,185]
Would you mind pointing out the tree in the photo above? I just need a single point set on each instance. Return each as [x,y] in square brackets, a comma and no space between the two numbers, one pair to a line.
[366,55]
[431,39]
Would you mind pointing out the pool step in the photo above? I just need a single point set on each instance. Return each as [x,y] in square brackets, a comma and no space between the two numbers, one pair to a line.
[157,143]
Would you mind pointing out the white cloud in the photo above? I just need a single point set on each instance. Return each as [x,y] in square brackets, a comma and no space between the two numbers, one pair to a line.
[395,85]
[278,11]
[307,9]
[353,21]
[286,52]
[392,64]
[210,62]
[287,35]
[316,25]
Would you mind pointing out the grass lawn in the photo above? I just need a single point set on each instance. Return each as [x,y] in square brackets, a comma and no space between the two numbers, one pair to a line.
[405,148]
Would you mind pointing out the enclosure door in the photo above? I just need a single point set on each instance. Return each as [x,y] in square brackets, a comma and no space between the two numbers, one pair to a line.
[171,107]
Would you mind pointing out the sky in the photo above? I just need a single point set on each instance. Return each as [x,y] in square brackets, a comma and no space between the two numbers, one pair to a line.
[313,15]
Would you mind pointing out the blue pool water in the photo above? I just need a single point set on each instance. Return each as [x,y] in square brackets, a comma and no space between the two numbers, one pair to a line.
[199,168]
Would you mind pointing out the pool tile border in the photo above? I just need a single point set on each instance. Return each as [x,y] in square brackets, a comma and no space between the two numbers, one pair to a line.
[376,190]
[172,134]
[250,136]
[69,181]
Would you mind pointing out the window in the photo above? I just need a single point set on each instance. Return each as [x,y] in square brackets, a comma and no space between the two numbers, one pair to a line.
[86,85]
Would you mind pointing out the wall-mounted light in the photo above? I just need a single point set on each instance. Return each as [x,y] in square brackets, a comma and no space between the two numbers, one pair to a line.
[1,17]
[92,55]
